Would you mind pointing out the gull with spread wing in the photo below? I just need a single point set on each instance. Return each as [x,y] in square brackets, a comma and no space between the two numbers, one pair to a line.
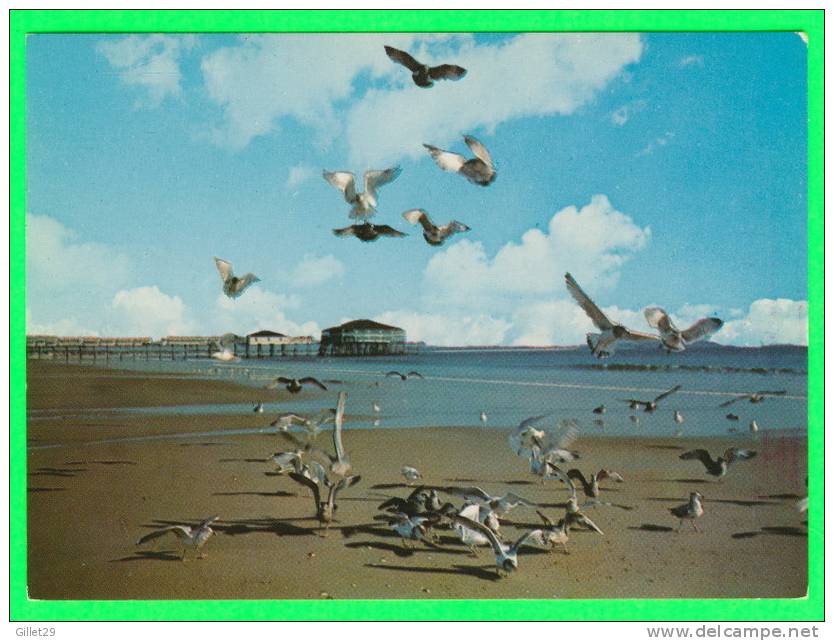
[363,205]
[479,170]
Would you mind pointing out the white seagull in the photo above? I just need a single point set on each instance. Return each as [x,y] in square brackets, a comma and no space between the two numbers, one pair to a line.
[363,205]
[411,474]
[479,170]
[193,537]
[603,345]
[675,340]
[678,417]
[232,285]
[434,234]
[506,556]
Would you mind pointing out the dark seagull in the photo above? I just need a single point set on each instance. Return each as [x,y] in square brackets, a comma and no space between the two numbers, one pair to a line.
[602,345]
[479,170]
[674,340]
[294,385]
[325,508]
[753,397]
[367,232]
[434,234]
[719,466]
[423,75]
[591,487]
[649,406]
[233,286]
[403,377]
[193,537]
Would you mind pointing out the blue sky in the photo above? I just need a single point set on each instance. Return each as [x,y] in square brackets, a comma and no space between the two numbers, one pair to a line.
[660,169]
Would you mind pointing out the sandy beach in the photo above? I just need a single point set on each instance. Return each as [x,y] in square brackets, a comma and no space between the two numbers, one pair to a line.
[89,501]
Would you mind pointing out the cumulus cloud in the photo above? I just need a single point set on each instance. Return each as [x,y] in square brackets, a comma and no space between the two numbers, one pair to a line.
[147,311]
[448,329]
[768,321]
[258,309]
[298,174]
[691,60]
[655,144]
[257,83]
[60,327]
[622,115]
[315,270]
[150,63]
[592,243]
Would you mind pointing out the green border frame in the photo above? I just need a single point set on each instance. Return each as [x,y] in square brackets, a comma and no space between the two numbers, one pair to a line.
[21,608]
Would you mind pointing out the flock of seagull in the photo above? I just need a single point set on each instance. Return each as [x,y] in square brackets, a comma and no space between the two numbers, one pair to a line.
[472,515]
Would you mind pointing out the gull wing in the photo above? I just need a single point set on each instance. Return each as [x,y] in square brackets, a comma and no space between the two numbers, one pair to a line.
[385,230]
[547,522]
[702,329]
[394,373]
[402,57]
[733,400]
[377,178]
[468,493]
[455,227]
[667,393]
[412,373]
[446,72]
[737,454]
[608,474]
[312,381]
[225,268]
[481,529]
[303,480]
[522,539]
[576,473]
[446,160]
[478,149]
[344,181]
[771,393]
[557,473]
[337,427]
[594,313]
[280,380]
[415,216]
[584,520]
[345,231]
[636,337]
[245,281]
[701,455]
[659,319]
[181,531]
[208,521]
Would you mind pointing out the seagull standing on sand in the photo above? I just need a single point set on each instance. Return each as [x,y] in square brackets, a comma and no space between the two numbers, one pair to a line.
[424,75]
[411,527]
[411,474]
[602,345]
[675,340]
[678,417]
[689,511]
[259,408]
[754,427]
[479,170]
[363,205]
[434,234]
[483,417]
[232,285]
[721,465]
[599,410]
[193,537]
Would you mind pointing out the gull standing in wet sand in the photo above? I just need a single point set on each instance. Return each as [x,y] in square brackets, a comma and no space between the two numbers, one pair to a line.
[603,345]
[193,537]
[689,511]
[411,474]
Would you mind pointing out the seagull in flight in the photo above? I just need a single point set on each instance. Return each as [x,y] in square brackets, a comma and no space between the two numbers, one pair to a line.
[753,397]
[602,345]
[403,377]
[434,234]
[689,511]
[311,424]
[649,406]
[367,232]
[506,556]
[295,385]
[424,75]
[551,535]
[232,285]
[363,205]
[479,170]
[591,487]
[325,508]
[501,505]
[193,537]
[720,465]
[675,340]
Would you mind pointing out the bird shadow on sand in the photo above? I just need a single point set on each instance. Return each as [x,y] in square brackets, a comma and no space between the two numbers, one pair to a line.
[664,447]
[150,555]
[776,530]
[273,494]
[279,527]
[242,460]
[59,472]
[651,527]
[109,462]
[46,489]
[391,486]
[473,571]
[786,496]
[688,481]
[204,444]
[403,551]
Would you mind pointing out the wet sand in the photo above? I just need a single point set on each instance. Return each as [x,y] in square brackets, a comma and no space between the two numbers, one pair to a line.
[89,503]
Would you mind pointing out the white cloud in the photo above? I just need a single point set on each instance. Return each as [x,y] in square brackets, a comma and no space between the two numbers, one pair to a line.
[56,260]
[148,62]
[656,143]
[440,329]
[146,311]
[314,270]
[621,116]
[501,85]
[768,321]
[691,60]
[258,309]
[61,327]
[592,243]
[258,82]
[298,174]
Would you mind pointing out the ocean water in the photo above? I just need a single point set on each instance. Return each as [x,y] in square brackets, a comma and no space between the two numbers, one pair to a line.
[512,384]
